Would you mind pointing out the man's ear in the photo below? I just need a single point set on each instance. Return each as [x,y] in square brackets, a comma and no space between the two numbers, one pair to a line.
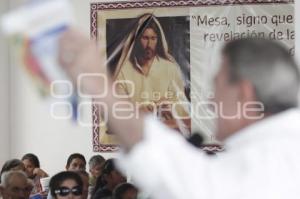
[247,91]
[252,108]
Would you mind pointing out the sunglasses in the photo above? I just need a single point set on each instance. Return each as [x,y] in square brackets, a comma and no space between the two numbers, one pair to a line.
[64,191]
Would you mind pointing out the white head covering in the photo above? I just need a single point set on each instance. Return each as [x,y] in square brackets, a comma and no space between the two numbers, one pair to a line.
[128,43]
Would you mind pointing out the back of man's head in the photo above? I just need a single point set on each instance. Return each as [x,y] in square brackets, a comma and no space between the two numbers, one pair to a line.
[15,185]
[125,190]
[11,164]
[269,67]
[6,177]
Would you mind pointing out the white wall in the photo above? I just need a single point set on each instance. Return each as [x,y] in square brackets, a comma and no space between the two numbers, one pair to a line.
[297,27]
[4,94]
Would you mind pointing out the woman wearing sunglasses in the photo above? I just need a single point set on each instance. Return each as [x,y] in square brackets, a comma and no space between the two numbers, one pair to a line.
[66,184]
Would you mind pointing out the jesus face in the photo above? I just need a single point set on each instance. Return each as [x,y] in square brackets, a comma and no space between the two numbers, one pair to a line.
[149,43]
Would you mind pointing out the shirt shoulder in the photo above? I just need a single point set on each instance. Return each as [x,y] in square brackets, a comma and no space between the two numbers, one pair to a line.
[102,193]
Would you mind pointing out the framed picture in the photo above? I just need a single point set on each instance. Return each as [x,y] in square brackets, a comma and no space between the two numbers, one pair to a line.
[162,55]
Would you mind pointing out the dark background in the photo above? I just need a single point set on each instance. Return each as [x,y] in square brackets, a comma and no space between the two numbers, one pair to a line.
[177,33]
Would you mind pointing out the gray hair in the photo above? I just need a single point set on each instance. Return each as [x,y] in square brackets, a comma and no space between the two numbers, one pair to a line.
[269,67]
[96,160]
[6,176]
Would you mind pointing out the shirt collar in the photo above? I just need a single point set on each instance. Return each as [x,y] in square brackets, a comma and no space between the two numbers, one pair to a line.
[278,125]
[139,67]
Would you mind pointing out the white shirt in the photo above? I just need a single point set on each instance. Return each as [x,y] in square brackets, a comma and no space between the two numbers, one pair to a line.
[260,161]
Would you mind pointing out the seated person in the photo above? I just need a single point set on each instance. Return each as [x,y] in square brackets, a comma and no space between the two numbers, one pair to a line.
[33,171]
[125,191]
[108,181]
[66,184]
[85,180]
[95,166]
[12,165]
[15,185]
[76,162]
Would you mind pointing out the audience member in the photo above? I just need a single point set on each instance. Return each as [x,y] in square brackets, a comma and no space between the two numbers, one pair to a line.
[66,184]
[125,191]
[15,185]
[85,180]
[12,165]
[33,171]
[95,167]
[108,181]
[32,166]
[76,162]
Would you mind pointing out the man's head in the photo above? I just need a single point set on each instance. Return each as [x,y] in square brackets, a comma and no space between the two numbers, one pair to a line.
[257,78]
[111,175]
[95,165]
[148,43]
[125,191]
[76,162]
[15,185]
[12,165]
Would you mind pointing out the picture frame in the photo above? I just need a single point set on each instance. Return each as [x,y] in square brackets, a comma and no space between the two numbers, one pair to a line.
[106,17]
